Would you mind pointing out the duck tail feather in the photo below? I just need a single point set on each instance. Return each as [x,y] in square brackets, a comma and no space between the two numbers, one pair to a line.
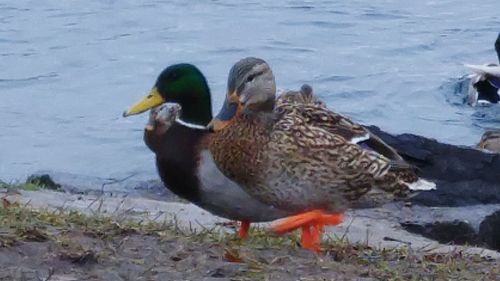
[421,184]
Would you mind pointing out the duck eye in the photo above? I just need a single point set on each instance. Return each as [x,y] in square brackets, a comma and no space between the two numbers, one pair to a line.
[252,76]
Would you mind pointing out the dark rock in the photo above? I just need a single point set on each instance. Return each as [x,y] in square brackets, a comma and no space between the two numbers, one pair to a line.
[44,181]
[463,175]
[462,193]
[489,230]
[454,232]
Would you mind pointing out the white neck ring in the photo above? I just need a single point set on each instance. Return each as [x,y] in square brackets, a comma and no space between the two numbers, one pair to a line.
[190,125]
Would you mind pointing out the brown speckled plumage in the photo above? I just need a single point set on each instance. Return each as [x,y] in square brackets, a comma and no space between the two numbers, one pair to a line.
[304,96]
[302,156]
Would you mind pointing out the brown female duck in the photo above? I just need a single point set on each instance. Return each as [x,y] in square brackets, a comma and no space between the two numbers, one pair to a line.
[300,156]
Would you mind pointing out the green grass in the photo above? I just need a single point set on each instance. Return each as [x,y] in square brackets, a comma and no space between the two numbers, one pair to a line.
[32,183]
[21,186]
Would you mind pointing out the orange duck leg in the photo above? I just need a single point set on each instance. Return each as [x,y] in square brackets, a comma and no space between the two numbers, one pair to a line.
[311,223]
[244,227]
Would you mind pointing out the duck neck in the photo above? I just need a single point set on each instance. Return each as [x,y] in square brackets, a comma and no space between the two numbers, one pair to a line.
[197,111]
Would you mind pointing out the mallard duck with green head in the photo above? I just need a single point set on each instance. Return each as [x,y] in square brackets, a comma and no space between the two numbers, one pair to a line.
[180,139]
[300,156]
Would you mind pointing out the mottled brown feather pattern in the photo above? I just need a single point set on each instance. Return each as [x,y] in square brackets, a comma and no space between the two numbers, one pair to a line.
[304,96]
[315,112]
[300,157]
[231,148]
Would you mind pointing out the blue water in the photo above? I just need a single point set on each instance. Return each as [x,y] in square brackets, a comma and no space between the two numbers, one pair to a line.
[68,69]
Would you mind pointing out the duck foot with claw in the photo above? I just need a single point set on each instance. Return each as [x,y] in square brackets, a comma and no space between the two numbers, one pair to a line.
[311,223]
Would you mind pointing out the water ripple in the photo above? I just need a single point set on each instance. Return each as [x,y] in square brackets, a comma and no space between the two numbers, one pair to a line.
[333,78]
[32,78]
[380,62]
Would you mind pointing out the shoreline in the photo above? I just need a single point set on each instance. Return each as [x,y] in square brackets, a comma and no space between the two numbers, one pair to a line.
[89,237]
[436,216]
[377,227]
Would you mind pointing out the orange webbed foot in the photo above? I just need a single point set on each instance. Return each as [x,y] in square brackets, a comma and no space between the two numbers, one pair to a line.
[245,226]
[311,223]
[311,238]
[315,217]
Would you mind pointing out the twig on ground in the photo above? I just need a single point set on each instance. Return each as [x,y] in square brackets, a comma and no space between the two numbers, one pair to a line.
[347,229]
[113,181]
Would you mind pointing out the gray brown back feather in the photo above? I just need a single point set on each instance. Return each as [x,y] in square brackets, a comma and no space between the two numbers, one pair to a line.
[307,156]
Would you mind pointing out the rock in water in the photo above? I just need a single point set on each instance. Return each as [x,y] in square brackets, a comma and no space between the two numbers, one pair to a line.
[44,181]
[463,175]
[454,232]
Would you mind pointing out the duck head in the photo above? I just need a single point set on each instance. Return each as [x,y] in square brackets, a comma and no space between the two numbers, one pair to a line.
[183,84]
[250,86]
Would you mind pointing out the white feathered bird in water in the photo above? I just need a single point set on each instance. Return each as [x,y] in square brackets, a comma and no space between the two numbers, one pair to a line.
[484,86]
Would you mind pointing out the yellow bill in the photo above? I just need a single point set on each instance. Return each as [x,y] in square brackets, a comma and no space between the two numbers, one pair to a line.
[153,99]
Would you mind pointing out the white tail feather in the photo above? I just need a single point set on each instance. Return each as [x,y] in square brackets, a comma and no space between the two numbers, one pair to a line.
[421,184]
[359,139]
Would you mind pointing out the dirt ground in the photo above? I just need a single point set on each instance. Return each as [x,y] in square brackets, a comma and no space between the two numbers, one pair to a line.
[48,245]
[144,257]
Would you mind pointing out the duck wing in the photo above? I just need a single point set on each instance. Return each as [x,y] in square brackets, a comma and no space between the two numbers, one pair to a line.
[341,150]
[316,113]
